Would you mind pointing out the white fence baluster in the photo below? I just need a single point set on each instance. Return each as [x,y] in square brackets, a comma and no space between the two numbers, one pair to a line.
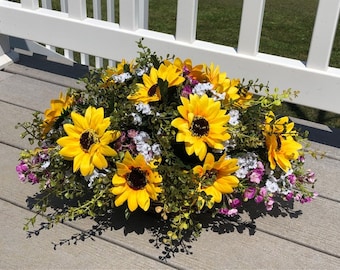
[64,8]
[251,26]
[97,14]
[128,14]
[186,20]
[110,7]
[324,31]
[30,4]
[77,9]
[48,5]
[143,14]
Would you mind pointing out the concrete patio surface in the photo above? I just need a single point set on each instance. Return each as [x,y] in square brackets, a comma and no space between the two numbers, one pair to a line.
[308,238]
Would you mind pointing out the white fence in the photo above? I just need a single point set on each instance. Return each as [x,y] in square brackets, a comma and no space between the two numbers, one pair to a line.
[319,84]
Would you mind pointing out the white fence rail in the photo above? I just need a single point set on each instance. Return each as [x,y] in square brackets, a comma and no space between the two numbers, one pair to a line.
[70,28]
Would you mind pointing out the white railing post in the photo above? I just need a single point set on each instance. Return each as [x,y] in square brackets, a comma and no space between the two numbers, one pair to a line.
[325,26]
[186,22]
[30,4]
[128,14]
[251,26]
[7,56]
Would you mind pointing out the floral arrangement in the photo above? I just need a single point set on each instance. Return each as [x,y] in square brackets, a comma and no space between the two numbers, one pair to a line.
[166,136]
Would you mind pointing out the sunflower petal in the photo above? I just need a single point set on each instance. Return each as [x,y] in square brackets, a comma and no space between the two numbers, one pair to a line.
[143,200]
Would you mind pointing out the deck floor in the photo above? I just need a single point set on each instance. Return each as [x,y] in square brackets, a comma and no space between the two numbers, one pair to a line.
[309,238]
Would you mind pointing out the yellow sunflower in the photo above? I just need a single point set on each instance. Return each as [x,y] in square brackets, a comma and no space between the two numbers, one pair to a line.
[149,90]
[57,107]
[107,75]
[281,146]
[216,177]
[194,72]
[245,98]
[87,141]
[135,182]
[221,83]
[203,123]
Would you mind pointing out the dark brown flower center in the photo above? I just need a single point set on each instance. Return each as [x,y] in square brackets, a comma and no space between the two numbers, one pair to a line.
[87,138]
[199,127]
[209,178]
[152,90]
[136,179]
[211,173]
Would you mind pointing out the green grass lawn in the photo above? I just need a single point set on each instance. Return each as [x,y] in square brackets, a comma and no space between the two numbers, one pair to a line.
[287,30]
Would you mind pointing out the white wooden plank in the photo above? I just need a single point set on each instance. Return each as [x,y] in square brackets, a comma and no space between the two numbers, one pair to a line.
[93,254]
[251,26]
[186,21]
[30,4]
[323,34]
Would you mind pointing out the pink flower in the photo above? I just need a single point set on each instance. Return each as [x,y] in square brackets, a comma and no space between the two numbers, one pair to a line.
[22,167]
[292,178]
[249,193]
[232,212]
[289,196]
[311,177]
[187,90]
[235,203]
[22,177]
[257,174]
[258,199]
[269,204]
[132,133]
[263,191]
[228,212]
[33,178]
[302,159]
[298,197]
